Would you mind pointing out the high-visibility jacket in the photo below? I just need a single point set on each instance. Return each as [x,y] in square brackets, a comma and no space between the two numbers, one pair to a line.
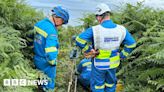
[46,41]
[84,69]
[107,38]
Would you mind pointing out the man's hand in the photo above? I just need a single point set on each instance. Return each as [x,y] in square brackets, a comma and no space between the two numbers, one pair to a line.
[120,57]
[92,53]
[89,55]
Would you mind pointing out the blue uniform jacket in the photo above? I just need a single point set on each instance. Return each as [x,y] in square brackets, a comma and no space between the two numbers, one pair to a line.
[84,68]
[46,41]
[87,36]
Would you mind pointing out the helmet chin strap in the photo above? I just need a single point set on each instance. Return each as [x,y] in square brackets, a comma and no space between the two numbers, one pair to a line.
[53,20]
[101,20]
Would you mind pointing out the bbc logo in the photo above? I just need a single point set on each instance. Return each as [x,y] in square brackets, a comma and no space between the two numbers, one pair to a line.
[14,82]
[23,82]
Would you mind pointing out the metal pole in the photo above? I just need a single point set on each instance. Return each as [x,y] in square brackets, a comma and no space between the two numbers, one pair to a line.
[75,79]
[70,82]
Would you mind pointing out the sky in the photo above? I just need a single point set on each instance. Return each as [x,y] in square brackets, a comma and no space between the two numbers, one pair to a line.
[77,8]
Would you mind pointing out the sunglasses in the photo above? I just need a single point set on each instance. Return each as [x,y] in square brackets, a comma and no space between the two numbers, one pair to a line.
[98,15]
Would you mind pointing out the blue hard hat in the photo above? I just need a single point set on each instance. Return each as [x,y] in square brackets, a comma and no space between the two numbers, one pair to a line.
[62,13]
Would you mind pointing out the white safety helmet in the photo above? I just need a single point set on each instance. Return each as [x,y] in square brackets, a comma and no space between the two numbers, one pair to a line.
[102,8]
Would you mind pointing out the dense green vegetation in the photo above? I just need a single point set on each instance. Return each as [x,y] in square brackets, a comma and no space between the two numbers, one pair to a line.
[141,72]
[16,19]
[144,72]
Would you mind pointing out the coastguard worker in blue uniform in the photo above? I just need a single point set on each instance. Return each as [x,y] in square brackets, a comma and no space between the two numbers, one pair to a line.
[84,71]
[106,39]
[46,43]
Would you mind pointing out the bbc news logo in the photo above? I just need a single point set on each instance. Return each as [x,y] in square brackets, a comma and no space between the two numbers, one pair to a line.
[23,82]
